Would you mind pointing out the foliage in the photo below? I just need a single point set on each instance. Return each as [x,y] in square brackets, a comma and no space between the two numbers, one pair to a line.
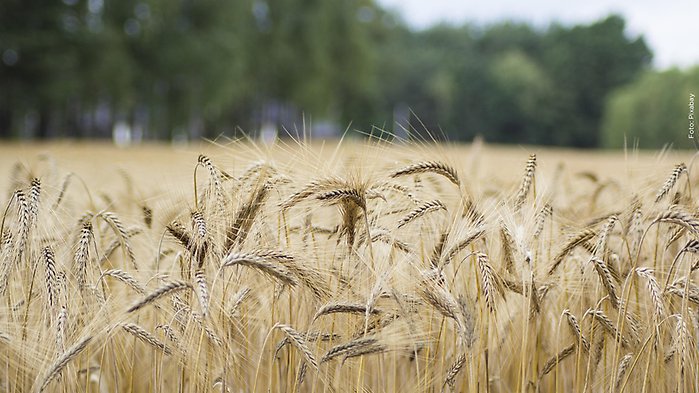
[653,111]
[205,68]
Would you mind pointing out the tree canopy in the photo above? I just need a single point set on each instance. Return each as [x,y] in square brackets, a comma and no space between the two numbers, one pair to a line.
[188,68]
[653,111]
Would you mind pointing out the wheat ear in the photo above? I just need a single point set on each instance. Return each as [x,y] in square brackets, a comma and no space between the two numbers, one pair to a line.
[160,292]
[420,211]
[557,358]
[670,182]
[527,181]
[146,337]
[62,361]
[299,342]
[429,166]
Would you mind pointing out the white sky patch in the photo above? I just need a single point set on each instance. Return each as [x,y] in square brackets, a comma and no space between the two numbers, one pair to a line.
[671,29]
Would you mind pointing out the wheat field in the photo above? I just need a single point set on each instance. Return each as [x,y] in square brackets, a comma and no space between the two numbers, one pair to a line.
[347,267]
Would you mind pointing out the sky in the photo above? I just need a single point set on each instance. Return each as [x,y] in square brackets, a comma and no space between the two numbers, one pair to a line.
[671,29]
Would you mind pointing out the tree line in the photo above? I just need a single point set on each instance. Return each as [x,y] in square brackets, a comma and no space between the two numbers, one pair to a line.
[205,68]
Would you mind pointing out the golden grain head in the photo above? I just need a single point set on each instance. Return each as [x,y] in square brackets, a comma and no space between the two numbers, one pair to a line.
[291,269]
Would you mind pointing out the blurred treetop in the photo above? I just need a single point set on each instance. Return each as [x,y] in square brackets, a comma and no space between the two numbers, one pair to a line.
[185,68]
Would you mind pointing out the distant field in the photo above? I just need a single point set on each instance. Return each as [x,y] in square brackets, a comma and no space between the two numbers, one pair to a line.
[371,267]
[172,164]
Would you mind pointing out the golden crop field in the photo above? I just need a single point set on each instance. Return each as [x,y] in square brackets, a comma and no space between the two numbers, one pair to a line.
[347,267]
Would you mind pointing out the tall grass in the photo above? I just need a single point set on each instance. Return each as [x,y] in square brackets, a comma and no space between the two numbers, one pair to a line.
[378,269]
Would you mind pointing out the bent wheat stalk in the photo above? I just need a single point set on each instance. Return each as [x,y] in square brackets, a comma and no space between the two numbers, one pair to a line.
[429,166]
[62,361]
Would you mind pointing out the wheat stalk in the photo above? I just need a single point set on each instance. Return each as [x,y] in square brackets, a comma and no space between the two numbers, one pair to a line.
[63,189]
[607,280]
[556,359]
[454,370]
[61,322]
[309,337]
[342,195]
[441,300]
[431,167]
[199,224]
[59,364]
[678,288]
[310,189]
[299,342]
[488,285]
[386,238]
[420,211]
[693,247]
[344,308]
[261,261]
[202,291]
[115,223]
[608,325]
[363,350]
[124,277]
[545,212]
[575,328]
[679,217]
[654,290]
[238,299]
[146,337]
[526,183]
[679,342]
[147,215]
[82,252]
[344,348]
[577,240]
[603,235]
[621,370]
[215,179]
[506,243]
[172,336]
[164,290]
[400,189]
[34,199]
[438,249]
[670,182]
[24,224]
[179,232]
[240,226]
[210,334]
[52,287]
[461,245]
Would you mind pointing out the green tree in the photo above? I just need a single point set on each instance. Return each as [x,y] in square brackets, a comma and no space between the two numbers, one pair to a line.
[204,67]
[653,111]
[505,86]
[316,55]
[421,71]
[510,82]
[38,41]
[187,60]
[586,63]
[525,95]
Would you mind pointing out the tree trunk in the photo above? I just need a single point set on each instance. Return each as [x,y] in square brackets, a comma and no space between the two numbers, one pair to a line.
[5,123]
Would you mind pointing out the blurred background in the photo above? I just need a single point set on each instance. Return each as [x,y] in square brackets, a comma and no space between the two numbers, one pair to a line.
[511,72]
